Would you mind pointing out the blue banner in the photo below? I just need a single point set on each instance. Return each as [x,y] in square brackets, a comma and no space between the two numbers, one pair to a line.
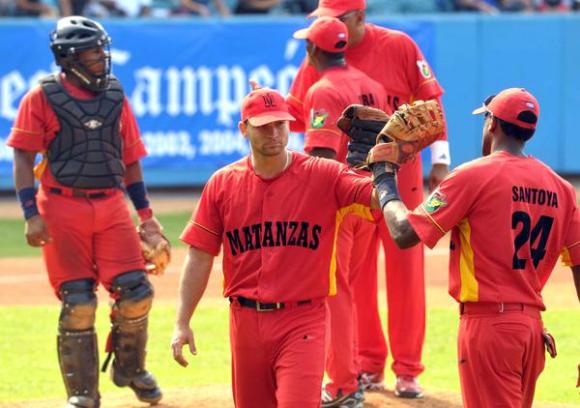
[185,80]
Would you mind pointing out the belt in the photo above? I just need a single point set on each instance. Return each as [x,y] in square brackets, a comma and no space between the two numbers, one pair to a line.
[266,307]
[497,308]
[75,192]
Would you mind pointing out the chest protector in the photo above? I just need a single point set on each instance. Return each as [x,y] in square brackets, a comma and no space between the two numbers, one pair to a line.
[87,151]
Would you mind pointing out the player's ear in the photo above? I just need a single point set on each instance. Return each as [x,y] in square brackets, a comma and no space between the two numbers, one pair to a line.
[492,124]
[243,127]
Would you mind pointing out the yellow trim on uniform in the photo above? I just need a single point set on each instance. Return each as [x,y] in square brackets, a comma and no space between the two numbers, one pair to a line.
[362,211]
[469,286]
[41,167]
[205,228]
[439,227]
[30,132]
[324,130]
[565,257]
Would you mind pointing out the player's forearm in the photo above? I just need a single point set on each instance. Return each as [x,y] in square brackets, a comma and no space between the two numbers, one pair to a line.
[394,210]
[192,283]
[137,192]
[23,169]
[576,273]
[133,173]
[395,213]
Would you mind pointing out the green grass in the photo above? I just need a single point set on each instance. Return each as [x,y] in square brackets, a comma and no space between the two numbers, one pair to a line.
[29,369]
[13,243]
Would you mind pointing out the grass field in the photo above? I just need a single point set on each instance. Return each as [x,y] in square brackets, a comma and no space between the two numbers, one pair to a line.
[29,369]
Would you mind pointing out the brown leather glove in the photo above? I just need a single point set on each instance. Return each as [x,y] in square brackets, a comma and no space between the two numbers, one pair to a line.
[155,246]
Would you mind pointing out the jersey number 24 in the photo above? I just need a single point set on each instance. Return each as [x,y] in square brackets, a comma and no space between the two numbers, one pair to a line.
[528,235]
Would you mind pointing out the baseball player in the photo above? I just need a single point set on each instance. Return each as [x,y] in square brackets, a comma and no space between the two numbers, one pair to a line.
[81,122]
[392,59]
[278,257]
[339,86]
[507,231]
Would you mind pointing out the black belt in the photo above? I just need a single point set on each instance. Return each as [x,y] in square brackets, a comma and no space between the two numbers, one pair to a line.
[266,307]
[75,192]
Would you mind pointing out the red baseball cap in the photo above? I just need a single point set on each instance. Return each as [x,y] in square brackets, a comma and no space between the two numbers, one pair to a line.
[327,33]
[513,105]
[335,8]
[263,106]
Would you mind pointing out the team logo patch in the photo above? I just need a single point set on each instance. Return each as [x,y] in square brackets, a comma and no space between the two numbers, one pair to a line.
[318,118]
[435,201]
[424,69]
[93,124]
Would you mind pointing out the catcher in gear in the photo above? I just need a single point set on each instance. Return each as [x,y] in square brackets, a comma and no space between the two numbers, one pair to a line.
[505,242]
[82,122]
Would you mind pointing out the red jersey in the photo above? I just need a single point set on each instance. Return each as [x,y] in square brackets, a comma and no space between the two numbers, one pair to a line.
[389,57]
[278,234]
[326,100]
[37,125]
[510,217]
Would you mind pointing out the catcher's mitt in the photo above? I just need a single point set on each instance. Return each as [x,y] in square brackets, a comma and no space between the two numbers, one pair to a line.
[155,246]
[361,123]
[409,130]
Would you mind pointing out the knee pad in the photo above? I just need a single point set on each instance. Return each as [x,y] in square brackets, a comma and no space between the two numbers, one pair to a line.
[133,293]
[79,304]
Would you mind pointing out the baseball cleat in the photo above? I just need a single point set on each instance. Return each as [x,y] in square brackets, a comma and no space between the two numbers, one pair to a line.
[408,386]
[372,381]
[143,385]
[353,400]
[82,402]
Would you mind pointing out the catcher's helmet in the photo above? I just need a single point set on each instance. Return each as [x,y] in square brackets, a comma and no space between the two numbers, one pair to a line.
[75,34]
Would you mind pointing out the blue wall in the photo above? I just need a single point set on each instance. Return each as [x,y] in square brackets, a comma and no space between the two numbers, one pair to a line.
[477,56]
[185,80]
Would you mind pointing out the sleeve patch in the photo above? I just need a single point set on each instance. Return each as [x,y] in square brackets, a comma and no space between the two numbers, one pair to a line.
[435,201]
[318,118]
[424,69]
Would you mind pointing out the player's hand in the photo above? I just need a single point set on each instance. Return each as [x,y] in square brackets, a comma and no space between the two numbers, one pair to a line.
[36,231]
[436,175]
[182,335]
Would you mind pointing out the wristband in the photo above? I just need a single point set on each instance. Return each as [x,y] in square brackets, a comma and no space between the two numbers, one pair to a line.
[27,198]
[145,214]
[385,183]
[440,152]
[138,195]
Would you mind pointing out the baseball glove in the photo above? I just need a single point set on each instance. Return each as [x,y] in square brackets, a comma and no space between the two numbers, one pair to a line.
[409,130]
[362,124]
[155,247]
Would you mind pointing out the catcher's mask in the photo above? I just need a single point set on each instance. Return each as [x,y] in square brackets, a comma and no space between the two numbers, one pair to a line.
[74,35]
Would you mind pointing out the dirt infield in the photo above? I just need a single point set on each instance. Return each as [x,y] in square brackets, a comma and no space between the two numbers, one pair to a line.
[219,396]
[19,276]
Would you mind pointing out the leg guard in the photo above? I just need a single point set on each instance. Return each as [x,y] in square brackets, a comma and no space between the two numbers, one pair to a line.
[77,343]
[134,296]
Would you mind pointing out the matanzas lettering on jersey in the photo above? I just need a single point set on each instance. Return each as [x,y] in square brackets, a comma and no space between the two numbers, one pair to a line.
[274,234]
[534,196]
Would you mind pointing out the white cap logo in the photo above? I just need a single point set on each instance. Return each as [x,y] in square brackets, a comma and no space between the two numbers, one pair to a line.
[530,105]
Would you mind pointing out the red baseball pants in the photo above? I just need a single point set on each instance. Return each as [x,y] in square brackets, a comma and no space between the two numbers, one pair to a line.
[277,356]
[357,251]
[91,238]
[405,279]
[500,357]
